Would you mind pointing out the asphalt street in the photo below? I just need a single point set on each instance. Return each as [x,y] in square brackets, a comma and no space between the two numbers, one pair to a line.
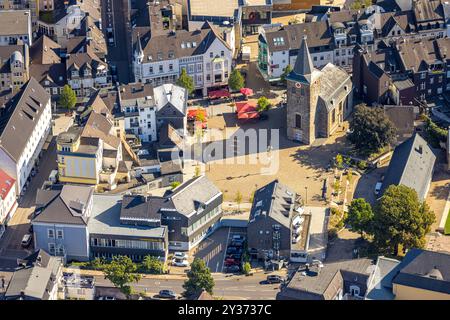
[227,286]
[10,243]
[114,17]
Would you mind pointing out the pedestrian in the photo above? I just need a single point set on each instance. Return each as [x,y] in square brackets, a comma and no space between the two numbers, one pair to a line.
[3,283]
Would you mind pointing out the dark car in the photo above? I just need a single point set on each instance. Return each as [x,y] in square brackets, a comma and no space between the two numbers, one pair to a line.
[234,250]
[234,256]
[274,279]
[237,244]
[231,262]
[169,294]
[233,269]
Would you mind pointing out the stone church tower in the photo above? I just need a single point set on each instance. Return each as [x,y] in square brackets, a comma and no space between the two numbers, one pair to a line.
[303,89]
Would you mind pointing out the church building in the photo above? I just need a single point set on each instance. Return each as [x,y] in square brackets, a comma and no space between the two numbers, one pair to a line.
[318,101]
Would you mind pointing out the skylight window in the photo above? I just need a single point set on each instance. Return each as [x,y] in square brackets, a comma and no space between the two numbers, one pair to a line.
[278,41]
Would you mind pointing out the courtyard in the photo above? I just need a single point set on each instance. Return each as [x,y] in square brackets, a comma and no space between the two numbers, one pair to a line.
[303,168]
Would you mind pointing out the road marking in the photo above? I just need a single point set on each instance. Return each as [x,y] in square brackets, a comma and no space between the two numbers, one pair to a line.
[225,250]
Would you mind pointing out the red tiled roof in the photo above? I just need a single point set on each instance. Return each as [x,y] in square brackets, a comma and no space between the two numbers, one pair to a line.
[6,184]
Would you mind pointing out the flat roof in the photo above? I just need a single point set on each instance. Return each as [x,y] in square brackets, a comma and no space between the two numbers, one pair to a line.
[105,219]
[212,8]
[318,235]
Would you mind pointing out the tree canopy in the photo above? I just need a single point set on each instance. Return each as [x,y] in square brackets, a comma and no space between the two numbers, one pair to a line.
[152,265]
[198,278]
[67,98]
[286,72]
[236,80]
[186,81]
[122,271]
[371,129]
[360,216]
[263,104]
[401,219]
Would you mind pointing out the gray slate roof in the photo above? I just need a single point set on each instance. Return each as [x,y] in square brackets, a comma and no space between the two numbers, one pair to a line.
[274,200]
[425,269]
[303,64]
[188,196]
[20,117]
[380,283]
[324,283]
[63,205]
[173,94]
[33,280]
[411,165]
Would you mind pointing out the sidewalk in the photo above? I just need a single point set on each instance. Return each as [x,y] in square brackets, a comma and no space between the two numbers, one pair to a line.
[177,276]
[444,214]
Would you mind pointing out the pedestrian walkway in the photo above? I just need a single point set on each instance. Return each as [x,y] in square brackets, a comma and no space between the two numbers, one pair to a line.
[444,214]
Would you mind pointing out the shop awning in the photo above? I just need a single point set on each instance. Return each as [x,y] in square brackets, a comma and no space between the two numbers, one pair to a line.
[219,94]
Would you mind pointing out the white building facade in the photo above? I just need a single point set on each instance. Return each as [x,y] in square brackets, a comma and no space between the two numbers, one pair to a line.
[207,61]
[24,135]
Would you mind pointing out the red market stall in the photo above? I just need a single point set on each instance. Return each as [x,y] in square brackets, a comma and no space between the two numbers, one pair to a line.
[246,110]
[219,94]
[247,92]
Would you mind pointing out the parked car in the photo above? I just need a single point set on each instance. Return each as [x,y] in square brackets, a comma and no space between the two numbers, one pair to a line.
[231,262]
[168,294]
[180,262]
[238,237]
[234,250]
[26,240]
[378,188]
[274,279]
[106,298]
[233,269]
[235,256]
[180,255]
[237,244]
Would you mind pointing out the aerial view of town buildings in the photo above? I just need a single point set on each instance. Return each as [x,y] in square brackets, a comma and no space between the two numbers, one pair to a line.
[224,150]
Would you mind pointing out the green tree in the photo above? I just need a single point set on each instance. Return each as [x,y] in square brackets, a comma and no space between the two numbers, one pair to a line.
[175,184]
[67,98]
[198,278]
[246,268]
[371,129]
[121,272]
[339,160]
[152,265]
[98,263]
[200,116]
[263,104]
[285,73]
[434,133]
[236,80]
[401,219]
[186,81]
[360,216]
[197,171]
[238,199]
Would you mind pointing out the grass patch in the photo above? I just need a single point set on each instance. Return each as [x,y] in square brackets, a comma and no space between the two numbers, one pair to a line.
[46,16]
[447,225]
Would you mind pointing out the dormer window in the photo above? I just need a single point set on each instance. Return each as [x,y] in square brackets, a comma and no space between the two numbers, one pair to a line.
[160,55]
